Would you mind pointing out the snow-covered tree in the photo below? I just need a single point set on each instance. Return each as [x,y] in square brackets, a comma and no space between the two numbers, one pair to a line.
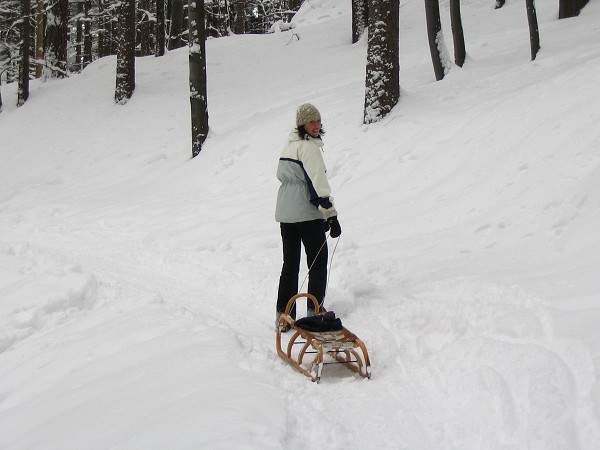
[360,17]
[125,84]
[457,33]
[382,85]
[534,34]
[55,40]
[197,63]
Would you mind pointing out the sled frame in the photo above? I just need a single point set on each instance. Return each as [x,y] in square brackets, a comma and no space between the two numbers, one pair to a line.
[343,346]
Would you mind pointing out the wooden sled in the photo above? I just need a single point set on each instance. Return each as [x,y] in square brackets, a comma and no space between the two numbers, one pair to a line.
[341,347]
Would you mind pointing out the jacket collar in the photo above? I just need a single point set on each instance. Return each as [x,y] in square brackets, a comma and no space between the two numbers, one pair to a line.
[294,136]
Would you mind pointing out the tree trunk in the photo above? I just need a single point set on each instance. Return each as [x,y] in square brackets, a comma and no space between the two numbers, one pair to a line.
[534,35]
[78,37]
[144,29]
[382,85]
[434,33]
[457,33]
[125,84]
[176,27]
[197,61]
[39,37]
[570,8]
[114,32]
[87,34]
[359,19]
[23,92]
[55,42]
[239,23]
[160,28]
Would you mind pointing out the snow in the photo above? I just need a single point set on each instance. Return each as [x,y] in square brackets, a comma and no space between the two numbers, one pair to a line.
[137,285]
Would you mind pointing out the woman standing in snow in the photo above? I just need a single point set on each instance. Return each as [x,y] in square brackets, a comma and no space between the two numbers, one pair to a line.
[305,208]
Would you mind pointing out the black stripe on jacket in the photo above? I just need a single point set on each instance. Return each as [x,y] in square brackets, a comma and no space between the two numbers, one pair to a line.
[314,197]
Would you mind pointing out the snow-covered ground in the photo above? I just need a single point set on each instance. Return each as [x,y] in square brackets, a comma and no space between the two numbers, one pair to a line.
[137,286]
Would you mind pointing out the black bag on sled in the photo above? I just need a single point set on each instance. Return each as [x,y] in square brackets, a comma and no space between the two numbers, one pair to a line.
[320,322]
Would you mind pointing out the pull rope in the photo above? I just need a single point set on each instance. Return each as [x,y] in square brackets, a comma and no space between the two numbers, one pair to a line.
[328,270]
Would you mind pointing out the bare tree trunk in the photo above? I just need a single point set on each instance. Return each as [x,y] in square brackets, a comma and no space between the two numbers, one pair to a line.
[570,8]
[55,42]
[534,35]
[434,33]
[359,19]
[39,37]
[23,92]
[382,85]
[160,28]
[87,34]
[197,61]
[125,84]
[457,33]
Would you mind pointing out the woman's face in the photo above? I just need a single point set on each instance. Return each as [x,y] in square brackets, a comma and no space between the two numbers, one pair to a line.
[313,128]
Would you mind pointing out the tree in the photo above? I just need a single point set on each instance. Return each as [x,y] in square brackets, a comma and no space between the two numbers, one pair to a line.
[176,25]
[23,91]
[499,4]
[360,17]
[144,28]
[382,86]
[239,22]
[197,62]
[125,84]
[534,35]
[87,33]
[55,41]
[5,60]
[78,36]
[457,33]
[160,28]
[570,8]
[40,16]
[436,38]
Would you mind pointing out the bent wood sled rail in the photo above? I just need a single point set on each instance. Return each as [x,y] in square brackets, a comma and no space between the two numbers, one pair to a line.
[341,347]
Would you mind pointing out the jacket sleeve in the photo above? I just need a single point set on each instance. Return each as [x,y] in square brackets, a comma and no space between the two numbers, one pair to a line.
[311,157]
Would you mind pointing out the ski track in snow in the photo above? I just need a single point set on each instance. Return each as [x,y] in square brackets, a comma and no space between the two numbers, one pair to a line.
[137,288]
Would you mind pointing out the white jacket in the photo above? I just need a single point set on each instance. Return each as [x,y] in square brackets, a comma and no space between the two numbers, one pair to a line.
[304,193]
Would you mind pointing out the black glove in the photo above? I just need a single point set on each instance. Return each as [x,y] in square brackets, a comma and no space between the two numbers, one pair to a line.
[334,227]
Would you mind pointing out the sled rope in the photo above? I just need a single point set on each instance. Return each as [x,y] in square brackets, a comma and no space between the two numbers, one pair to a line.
[328,270]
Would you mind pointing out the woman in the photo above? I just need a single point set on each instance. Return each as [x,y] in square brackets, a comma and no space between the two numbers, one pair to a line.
[305,208]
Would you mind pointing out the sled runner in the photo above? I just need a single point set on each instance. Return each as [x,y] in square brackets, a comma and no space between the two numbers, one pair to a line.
[339,346]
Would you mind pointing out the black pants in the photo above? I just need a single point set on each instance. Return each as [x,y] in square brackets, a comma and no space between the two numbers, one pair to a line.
[312,235]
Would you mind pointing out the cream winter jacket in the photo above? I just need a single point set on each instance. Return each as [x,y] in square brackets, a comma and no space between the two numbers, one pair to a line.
[304,193]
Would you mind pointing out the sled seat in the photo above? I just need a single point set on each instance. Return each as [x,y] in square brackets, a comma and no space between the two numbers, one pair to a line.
[329,347]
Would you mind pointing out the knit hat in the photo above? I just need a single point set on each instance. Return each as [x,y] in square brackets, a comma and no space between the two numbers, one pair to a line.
[307,113]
